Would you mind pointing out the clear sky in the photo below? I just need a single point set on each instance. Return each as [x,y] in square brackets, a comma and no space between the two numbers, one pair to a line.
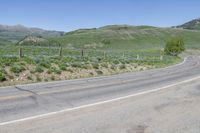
[67,15]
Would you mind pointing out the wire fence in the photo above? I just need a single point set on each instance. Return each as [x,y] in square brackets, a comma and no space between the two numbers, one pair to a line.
[35,51]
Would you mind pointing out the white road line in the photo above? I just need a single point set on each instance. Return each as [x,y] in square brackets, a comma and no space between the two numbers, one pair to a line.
[98,103]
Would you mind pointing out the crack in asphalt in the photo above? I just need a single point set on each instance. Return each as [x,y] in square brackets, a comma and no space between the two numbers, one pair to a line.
[35,96]
[29,91]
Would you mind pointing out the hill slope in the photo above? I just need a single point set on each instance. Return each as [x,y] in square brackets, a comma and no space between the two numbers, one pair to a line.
[17,32]
[192,25]
[127,37]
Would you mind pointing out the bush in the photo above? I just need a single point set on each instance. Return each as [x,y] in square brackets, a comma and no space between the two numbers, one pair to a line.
[58,71]
[52,77]
[29,78]
[122,66]
[174,47]
[105,65]
[2,77]
[63,67]
[38,79]
[45,64]
[39,69]
[70,70]
[17,69]
[116,62]
[76,65]
[95,65]
[49,71]
[99,72]
[55,70]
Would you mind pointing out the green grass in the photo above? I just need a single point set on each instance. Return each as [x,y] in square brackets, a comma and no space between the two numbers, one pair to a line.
[127,37]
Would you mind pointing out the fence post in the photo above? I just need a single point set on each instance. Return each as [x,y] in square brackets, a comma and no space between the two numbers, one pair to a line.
[161,55]
[82,53]
[20,52]
[61,52]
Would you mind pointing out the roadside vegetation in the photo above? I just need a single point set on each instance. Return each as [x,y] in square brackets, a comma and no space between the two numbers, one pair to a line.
[174,47]
[43,64]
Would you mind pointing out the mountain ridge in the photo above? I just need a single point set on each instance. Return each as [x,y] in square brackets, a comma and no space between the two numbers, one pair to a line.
[15,33]
[191,25]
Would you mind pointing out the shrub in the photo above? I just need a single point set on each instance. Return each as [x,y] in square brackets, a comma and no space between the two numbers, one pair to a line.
[28,60]
[29,78]
[116,62]
[58,71]
[76,64]
[38,79]
[55,70]
[104,65]
[63,67]
[52,77]
[174,47]
[45,64]
[99,72]
[2,77]
[10,76]
[70,70]
[122,66]
[49,71]
[39,69]
[17,69]
[95,65]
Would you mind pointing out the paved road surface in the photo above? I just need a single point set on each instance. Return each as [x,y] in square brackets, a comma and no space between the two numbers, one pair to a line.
[173,109]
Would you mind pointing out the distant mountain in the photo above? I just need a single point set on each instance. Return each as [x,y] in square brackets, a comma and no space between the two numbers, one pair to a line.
[191,25]
[18,32]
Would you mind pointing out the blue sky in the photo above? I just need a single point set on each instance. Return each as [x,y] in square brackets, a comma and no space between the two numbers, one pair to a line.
[68,15]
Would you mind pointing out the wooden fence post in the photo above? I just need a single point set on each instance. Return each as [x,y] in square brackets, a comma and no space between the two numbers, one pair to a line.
[61,52]
[20,52]
[82,53]
[161,55]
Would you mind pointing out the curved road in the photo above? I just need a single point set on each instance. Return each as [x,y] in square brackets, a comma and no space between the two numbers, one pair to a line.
[151,101]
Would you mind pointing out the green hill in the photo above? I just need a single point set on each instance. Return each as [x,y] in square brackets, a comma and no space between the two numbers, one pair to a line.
[127,37]
[192,25]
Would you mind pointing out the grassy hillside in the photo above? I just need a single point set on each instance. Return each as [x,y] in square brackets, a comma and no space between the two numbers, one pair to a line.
[127,37]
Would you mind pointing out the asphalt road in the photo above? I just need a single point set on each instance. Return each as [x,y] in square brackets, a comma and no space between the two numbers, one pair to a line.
[156,101]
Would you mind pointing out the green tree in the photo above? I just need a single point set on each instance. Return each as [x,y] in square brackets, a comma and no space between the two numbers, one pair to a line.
[174,47]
